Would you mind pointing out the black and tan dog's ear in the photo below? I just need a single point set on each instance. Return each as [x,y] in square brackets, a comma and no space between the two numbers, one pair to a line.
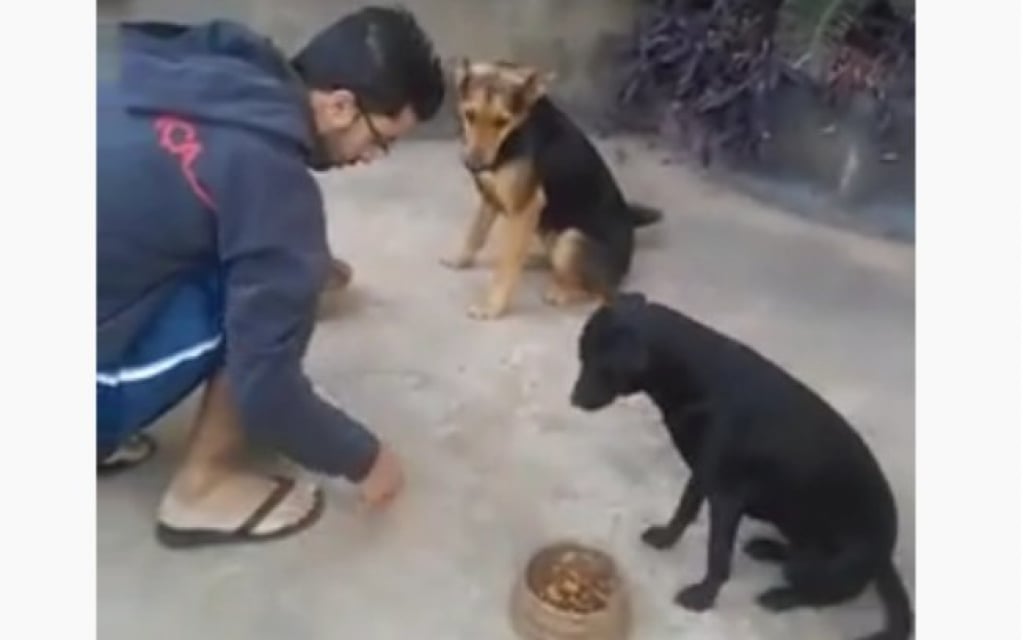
[459,67]
[535,84]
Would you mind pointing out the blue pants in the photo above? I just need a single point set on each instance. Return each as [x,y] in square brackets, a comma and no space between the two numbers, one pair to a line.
[180,348]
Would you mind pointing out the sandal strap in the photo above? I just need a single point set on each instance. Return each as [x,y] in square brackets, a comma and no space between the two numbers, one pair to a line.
[280,492]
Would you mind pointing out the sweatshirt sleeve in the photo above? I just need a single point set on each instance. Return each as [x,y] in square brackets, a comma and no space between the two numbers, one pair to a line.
[273,249]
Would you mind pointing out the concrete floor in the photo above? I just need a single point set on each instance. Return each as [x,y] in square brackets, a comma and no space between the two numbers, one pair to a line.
[498,462]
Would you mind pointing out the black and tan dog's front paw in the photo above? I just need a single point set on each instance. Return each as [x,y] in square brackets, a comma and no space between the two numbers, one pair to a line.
[486,311]
[660,538]
[697,597]
[458,262]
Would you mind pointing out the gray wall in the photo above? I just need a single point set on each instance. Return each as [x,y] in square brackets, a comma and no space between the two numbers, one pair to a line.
[573,38]
[804,170]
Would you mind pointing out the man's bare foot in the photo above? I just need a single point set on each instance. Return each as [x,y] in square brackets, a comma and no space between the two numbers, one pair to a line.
[227,506]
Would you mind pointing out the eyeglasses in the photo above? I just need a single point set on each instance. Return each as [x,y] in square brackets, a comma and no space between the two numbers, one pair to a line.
[382,142]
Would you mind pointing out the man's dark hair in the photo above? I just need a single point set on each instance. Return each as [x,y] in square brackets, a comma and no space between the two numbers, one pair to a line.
[382,56]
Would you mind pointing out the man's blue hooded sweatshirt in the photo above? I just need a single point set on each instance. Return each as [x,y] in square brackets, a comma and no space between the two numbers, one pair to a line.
[205,144]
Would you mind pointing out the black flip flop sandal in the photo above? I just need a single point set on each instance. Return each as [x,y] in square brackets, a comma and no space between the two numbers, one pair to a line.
[135,450]
[190,538]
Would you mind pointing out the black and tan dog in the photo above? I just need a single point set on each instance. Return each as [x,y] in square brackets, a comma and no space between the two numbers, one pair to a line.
[533,166]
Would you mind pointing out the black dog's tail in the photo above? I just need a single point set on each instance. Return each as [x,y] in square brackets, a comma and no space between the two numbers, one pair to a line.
[642,215]
[898,610]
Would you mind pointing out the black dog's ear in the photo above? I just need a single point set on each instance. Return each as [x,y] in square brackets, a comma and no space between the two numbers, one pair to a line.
[630,347]
[631,352]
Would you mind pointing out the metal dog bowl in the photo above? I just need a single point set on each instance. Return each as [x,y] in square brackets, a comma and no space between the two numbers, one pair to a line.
[549,603]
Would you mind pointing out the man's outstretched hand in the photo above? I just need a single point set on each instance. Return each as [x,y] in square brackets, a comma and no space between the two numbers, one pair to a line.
[384,481]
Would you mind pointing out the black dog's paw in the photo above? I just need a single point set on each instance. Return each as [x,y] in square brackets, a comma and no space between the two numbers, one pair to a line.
[766,550]
[697,597]
[780,599]
[660,537]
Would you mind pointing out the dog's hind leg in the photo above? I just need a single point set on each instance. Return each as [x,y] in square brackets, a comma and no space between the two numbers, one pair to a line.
[767,550]
[782,599]
[579,274]
[539,255]
[688,508]
[818,579]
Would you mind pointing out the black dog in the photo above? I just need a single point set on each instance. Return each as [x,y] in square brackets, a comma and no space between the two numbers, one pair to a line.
[759,443]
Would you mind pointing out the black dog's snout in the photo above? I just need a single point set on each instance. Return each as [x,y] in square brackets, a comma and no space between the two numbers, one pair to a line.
[583,397]
[575,397]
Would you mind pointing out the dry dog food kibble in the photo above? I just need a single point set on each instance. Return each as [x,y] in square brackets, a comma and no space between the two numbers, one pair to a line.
[577,581]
